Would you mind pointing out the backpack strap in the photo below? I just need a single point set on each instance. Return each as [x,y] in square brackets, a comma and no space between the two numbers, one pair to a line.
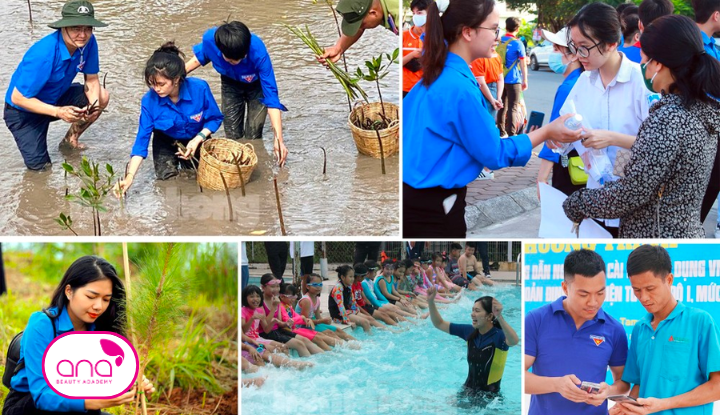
[21,363]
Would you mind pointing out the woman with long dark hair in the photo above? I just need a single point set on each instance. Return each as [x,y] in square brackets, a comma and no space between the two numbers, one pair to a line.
[176,109]
[488,339]
[90,297]
[668,173]
[449,136]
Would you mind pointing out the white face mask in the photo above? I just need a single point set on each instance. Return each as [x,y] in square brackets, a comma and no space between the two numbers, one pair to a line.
[419,19]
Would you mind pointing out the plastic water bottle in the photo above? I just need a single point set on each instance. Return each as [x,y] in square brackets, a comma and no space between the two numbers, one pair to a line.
[574,123]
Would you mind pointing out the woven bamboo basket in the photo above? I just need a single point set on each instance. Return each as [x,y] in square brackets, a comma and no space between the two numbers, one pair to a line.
[216,156]
[367,140]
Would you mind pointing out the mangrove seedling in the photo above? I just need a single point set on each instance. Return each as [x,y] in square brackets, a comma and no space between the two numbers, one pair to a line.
[349,84]
[377,71]
[337,26]
[65,223]
[96,186]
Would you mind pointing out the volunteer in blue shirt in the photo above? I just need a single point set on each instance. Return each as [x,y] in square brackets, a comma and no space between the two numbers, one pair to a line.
[510,118]
[488,339]
[674,360]
[176,109]
[42,90]
[448,135]
[572,340]
[90,297]
[631,38]
[247,81]
[563,62]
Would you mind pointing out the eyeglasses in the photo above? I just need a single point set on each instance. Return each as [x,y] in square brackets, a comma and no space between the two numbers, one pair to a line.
[315,284]
[496,30]
[583,51]
[76,30]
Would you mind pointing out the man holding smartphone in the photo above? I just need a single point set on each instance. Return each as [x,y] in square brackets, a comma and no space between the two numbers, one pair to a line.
[674,359]
[573,341]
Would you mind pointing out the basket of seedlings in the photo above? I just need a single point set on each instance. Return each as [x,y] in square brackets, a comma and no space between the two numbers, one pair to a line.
[225,163]
[375,126]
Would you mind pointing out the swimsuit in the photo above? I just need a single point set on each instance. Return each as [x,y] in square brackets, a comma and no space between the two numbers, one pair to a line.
[313,310]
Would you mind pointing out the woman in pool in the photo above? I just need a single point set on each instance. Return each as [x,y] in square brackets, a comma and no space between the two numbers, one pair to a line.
[488,339]
[90,297]
[176,109]
[271,325]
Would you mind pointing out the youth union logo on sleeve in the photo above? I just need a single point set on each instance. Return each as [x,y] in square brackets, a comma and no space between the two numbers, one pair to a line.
[90,365]
[598,340]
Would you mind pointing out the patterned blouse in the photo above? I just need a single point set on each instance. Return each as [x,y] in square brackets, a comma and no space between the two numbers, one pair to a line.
[666,178]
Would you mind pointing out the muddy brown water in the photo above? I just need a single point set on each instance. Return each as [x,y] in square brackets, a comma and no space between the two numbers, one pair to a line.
[353,198]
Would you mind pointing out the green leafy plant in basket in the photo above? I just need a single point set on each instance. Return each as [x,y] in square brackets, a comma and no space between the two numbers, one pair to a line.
[377,70]
[96,185]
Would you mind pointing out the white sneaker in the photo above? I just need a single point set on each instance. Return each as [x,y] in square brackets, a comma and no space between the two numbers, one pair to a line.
[486,175]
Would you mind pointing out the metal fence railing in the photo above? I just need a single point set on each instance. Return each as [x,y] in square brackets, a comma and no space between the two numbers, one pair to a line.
[344,252]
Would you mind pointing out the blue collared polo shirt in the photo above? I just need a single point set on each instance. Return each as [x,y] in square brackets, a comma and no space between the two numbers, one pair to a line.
[36,338]
[256,65]
[47,69]
[515,51]
[196,109]
[675,358]
[710,46]
[449,136]
[560,349]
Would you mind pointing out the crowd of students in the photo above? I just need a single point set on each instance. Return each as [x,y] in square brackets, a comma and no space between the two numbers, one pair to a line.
[393,296]
[644,81]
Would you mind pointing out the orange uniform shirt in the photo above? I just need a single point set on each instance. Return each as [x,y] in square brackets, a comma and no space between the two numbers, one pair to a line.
[490,68]
[410,41]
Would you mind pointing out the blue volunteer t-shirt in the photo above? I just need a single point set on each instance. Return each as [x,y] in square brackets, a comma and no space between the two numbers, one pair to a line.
[710,46]
[47,69]
[675,358]
[515,52]
[196,109]
[449,118]
[560,96]
[255,66]
[37,337]
[632,52]
[560,349]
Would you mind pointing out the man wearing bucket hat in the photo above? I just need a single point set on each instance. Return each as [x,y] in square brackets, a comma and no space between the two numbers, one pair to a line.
[42,90]
[359,15]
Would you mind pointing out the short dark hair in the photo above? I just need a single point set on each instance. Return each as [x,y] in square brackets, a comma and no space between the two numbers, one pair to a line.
[388,262]
[650,10]
[248,291]
[622,6]
[266,278]
[630,25]
[512,24]
[407,263]
[419,4]
[370,264]
[704,9]
[233,40]
[627,11]
[649,258]
[455,246]
[360,269]
[583,262]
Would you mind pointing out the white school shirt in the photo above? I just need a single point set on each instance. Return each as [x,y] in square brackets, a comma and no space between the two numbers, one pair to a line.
[621,107]
[306,249]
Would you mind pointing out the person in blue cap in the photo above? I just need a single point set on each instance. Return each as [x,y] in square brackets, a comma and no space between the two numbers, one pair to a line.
[249,89]
[359,15]
[674,359]
[42,90]
[176,110]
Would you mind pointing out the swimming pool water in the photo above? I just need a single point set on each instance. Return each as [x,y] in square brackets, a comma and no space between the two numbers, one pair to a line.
[418,371]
